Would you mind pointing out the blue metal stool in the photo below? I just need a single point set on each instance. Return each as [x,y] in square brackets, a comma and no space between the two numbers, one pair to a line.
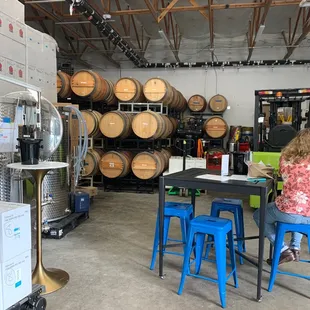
[234,206]
[219,228]
[282,229]
[184,211]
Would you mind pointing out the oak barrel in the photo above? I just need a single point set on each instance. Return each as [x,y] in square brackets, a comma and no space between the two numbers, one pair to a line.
[149,125]
[63,84]
[197,103]
[116,124]
[218,103]
[147,165]
[169,127]
[215,127]
[87,83]
[115,164]
[92,119]
[174,122]
[129,90]
[180,102]
[167,154]
[159,90]
[92,160]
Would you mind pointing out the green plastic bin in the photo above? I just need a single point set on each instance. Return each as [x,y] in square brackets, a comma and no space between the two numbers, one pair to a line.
[268,158]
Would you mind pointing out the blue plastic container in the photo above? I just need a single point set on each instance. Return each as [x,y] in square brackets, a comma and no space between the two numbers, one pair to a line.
[81,202]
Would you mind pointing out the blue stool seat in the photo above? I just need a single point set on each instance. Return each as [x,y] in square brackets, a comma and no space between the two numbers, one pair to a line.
[220,229]
[282,229]
[234,206]
[183,211]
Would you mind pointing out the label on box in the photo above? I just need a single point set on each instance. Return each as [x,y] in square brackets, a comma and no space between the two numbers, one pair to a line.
[2,64]
[20,71]
[20,32]
[10,26]
[11,68]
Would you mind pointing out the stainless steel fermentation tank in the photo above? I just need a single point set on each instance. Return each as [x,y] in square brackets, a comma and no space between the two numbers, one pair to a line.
[20,185]
[56,184]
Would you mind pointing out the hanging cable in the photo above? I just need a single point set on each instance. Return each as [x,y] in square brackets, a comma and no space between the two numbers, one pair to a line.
[82,146]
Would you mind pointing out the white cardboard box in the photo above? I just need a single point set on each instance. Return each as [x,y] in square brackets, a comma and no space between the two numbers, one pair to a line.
[13,8]
[15,229]
[15,279]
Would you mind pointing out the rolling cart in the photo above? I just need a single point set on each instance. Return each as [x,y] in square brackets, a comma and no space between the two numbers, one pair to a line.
[34,301]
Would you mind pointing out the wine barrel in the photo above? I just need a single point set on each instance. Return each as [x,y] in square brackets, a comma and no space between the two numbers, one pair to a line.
[174,122]
[167,154]
[63,84]
[149,125]
[87,83]
[216,127]
[159,90]
[110,97]
[115,164]
[129,90]
[92,119]
[116,124]
[181,103]
[92,160]
[169,127]
[197,103]
[147,165]
[218,103]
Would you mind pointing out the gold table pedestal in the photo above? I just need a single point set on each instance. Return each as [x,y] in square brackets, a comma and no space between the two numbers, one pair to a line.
[52,279]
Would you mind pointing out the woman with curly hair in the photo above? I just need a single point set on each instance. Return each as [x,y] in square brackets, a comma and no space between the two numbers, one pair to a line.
[293,205]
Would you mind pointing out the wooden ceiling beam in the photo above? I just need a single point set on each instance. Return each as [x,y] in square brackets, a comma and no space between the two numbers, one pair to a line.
[35,18]
[296,25]
[202,12]
[257,22]
[150,9]
[211,25]
[67,37]
[167,10]
[123,22]
[287,44]
[136,31]
[304,34]
[40,21]
[175,9]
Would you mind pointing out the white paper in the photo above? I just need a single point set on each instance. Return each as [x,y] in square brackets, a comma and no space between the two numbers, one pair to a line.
[225,165]
[213,177]
[238,177]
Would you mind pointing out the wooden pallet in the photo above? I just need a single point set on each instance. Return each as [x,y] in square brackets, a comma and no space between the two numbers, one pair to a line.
[91,190]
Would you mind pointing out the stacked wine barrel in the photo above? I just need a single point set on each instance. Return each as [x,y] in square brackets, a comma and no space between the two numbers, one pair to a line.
[216,127]
[159,90]
[144,165]
[63,84]
[145,125]
[90,84]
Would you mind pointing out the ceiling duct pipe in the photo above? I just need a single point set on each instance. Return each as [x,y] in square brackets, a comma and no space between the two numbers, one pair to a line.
[107,30]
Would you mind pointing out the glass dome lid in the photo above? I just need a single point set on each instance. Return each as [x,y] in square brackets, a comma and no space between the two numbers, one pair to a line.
[51,128]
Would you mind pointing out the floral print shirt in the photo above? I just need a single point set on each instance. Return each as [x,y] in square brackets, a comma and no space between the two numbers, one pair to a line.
[295,197]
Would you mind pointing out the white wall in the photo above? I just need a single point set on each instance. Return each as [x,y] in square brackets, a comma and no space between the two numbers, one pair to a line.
[237,86]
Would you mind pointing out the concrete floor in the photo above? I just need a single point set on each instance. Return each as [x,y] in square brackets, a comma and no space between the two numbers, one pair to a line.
[108,259]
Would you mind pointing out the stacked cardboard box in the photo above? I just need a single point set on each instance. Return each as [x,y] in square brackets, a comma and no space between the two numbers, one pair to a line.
[15,253]
[26,54]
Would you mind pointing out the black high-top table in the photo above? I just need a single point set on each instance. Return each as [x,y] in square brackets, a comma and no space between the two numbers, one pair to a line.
[187,179]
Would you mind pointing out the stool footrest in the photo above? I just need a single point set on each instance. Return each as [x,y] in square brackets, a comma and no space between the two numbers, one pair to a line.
[208,278]
[174,253]
[176,240]
[294,274]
